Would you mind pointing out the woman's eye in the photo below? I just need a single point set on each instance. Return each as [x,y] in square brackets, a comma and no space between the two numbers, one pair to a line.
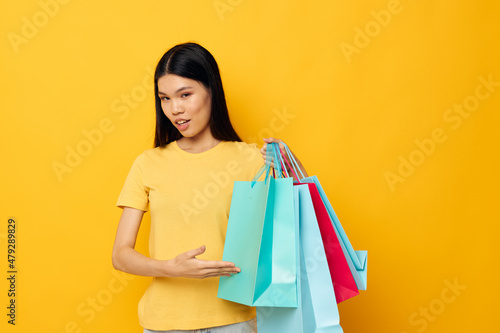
[185,95]
[164,98]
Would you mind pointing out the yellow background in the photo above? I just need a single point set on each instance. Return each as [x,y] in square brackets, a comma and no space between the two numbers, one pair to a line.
[352,117]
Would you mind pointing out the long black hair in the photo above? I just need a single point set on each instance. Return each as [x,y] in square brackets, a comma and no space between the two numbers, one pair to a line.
[192,61]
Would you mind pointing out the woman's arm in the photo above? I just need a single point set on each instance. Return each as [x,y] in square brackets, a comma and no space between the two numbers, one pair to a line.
[270,140]
[125,258]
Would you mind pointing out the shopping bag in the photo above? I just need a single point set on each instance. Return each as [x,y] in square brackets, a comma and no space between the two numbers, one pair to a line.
[343,281]
[317,307]
[260,239]
[357,260]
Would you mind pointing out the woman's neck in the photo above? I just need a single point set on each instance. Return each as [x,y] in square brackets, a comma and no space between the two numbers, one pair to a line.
[196,146]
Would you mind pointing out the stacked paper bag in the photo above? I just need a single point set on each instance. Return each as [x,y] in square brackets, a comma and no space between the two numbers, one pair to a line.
[295,258]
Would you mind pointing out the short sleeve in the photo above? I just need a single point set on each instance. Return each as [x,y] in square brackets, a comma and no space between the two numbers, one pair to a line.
[257,161]
[253,159]
[134,193]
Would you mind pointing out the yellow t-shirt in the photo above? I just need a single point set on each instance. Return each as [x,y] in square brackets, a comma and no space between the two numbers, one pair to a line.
[189,197]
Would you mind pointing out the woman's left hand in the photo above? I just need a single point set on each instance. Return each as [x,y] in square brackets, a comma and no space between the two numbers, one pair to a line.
[282,149]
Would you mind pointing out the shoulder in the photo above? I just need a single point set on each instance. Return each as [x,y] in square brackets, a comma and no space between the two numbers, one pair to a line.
[247,154]
[151,155]
[248,150]
[241,146]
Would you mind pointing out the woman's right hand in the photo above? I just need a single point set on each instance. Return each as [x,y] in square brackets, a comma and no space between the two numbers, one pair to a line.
[187,265]
[127,259]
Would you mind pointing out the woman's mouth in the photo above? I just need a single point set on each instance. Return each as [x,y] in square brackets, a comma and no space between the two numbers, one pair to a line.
[182,124]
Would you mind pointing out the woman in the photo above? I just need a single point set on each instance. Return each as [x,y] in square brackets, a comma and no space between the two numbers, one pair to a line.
[186,182]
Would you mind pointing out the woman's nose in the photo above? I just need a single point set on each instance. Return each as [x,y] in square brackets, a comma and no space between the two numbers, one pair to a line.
[177,107]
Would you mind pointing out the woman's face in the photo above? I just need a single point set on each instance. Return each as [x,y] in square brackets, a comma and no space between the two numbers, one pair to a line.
[187,104]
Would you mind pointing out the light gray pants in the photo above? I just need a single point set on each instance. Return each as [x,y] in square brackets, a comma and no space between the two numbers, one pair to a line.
[244,327]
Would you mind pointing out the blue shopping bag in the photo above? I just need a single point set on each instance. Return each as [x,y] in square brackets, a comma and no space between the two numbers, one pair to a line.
[260,239]
[317,307]
[357,260]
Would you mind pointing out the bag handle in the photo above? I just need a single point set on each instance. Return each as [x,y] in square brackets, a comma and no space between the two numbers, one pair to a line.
[266,168]
[291,168]
[292,164]
[278,162]
[274,153]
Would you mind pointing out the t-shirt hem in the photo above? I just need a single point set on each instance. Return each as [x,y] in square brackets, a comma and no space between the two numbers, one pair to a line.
[194,324]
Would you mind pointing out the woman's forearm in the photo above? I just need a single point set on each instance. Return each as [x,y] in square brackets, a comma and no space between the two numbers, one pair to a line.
[131,261]
[124,257]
